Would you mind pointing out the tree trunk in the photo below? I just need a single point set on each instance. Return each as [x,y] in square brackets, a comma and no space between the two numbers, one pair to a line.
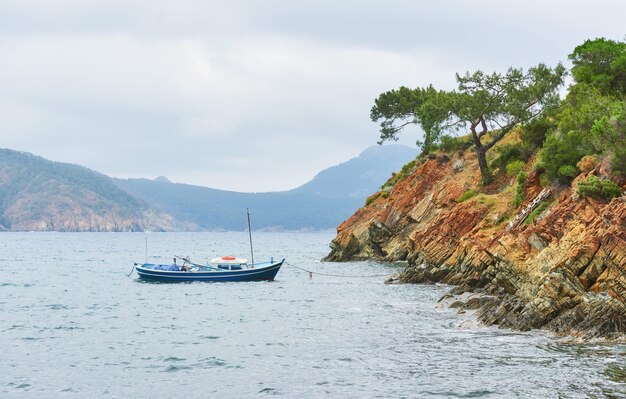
[481,154]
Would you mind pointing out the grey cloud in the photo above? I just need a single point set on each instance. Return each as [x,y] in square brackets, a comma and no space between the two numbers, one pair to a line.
[245,94]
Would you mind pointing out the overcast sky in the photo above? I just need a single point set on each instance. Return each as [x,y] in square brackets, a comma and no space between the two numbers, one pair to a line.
[250,95]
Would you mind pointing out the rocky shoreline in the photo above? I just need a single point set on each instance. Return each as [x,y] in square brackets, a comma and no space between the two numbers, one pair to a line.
[565,271]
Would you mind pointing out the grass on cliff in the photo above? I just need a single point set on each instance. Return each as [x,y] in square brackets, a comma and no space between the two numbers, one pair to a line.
[396,177]
[538,211]
[467,195]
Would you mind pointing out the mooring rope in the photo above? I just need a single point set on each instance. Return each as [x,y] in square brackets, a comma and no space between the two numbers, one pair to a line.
[311,273]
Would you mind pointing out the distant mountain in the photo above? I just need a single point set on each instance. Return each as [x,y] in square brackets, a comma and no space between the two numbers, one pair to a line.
[360,176]
[329,198]
[41,195]
[214,209]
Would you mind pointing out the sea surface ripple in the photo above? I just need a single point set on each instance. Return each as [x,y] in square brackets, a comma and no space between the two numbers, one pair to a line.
[72,324]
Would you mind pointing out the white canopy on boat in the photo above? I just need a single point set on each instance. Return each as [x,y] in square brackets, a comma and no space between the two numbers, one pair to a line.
[228,260]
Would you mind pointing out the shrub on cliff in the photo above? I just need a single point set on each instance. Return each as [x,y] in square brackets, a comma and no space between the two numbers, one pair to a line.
[408,168]
[611,129]
[560,154]
[598,188]
[589,125]
[592,118]
[451,144]
[396,177]
[510,153]
[587,163]
[618,161]
[520,189]
[515,167]
[585,127]
[568,172]
[534,133]
[372,198]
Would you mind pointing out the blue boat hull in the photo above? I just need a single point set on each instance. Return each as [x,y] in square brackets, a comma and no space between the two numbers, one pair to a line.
[264,271]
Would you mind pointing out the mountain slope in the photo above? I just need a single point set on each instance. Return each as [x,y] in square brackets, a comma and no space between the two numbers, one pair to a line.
[330,197]
[360,176]
[214,209]
[41,195]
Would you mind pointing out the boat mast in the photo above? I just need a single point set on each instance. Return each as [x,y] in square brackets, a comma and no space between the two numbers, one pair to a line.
[250,234]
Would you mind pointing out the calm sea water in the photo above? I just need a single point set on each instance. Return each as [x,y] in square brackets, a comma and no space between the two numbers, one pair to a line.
[73,325]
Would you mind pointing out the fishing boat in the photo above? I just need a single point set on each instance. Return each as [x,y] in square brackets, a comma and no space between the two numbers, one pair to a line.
[219,269]
[225,268]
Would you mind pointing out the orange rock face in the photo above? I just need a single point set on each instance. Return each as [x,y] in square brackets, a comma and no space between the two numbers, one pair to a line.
[565,270]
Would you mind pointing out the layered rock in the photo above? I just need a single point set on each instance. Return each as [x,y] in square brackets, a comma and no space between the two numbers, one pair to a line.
[565,271]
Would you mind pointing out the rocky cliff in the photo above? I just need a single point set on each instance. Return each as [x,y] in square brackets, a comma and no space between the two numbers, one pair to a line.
[563,268]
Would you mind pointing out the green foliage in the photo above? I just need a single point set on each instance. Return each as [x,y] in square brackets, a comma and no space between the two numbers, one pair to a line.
[369,200]
[467,195]
[452,144]
[426,107]
[396,177]
[504,100]
[589,123]
[515,167]
[498,102]
[408,168]
[520,189]
[598,188]
[486,200]
[618,161]
[483,102]
[610,130]
[568,172]
[592,120]
[533,133]
[587,110]
[601,63]
[536,212]
[509,153]
[561,150]
[391,181]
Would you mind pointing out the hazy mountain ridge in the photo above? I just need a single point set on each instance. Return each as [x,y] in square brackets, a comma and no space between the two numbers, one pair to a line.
[41,195]
[330,197]
[360,176]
